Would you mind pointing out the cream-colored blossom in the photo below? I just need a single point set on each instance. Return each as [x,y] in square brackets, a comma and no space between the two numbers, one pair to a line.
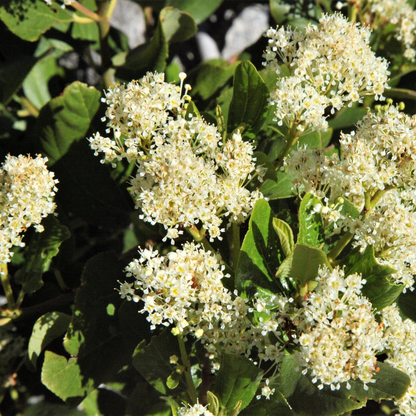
[195,410]
[330,65]
[185,175]
[26,196]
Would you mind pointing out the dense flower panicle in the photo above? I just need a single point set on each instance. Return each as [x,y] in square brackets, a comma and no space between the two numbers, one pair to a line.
[400,340]
[396,12]
[183,288]
[330,65]
[340,335]
[26,196]
[379,157]
[185,173]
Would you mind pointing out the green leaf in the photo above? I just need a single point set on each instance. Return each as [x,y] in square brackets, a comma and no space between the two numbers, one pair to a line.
[261,253]
[290,374]
[152,361]
[14,66]
[237,379]
[47,328]
[200,10]
[306,262]
[285,234]
[279,11]
[42,248]
[95,339]
[249,104]
[35,85]
[379,287]
[400,94]
[64,378]
[307,399]
[29,19]
[347,117]
[85,31]
[265,407]
[281,189]
[62,127]
[310,223]
[407,304]
[66,119]
[178,26]
[191,111]
[316,140]
[150,56]
[209,76]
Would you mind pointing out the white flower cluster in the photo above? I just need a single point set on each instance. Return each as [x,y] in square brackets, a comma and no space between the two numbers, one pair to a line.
[335,330]
[195,410]
[340,336]
[183,288]
[330,65]
[378,159]
[26,196]
[395,12]
[185,174]
[400,339]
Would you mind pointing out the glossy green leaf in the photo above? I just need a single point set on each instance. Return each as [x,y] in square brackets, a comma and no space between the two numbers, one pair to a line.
[199,10]
[39,253]
[249,104]
[62,127]
[64,378]
[306,261]
[209,76]
[279,10]
[152,361]
[29,19]
[307,399]
[237,379]
[316,140]
[379,288]
[407,304]
[47,328]
[177,25]
[310,223]
[66,119]
[150,56]
[265,407]
[261,253]
[88,32]
[35,85]
[285,234]
[281,189]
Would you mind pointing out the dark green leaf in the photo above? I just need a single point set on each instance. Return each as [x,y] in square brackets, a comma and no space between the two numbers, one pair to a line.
[281,189]
[306,262]
[249,104]
[237,379]
[400,94]
[316,140]
[379,287]
[47,328]
[261,253]
[177,25]
[150,56]
[94,339]
[407,304]
[265,407]
[152,361]
[62,127]
[45,408]
[14,66]
[42,248]
[307,399]
[29,19]
[209,76]
[310,223]
[347,117]
[200,10]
